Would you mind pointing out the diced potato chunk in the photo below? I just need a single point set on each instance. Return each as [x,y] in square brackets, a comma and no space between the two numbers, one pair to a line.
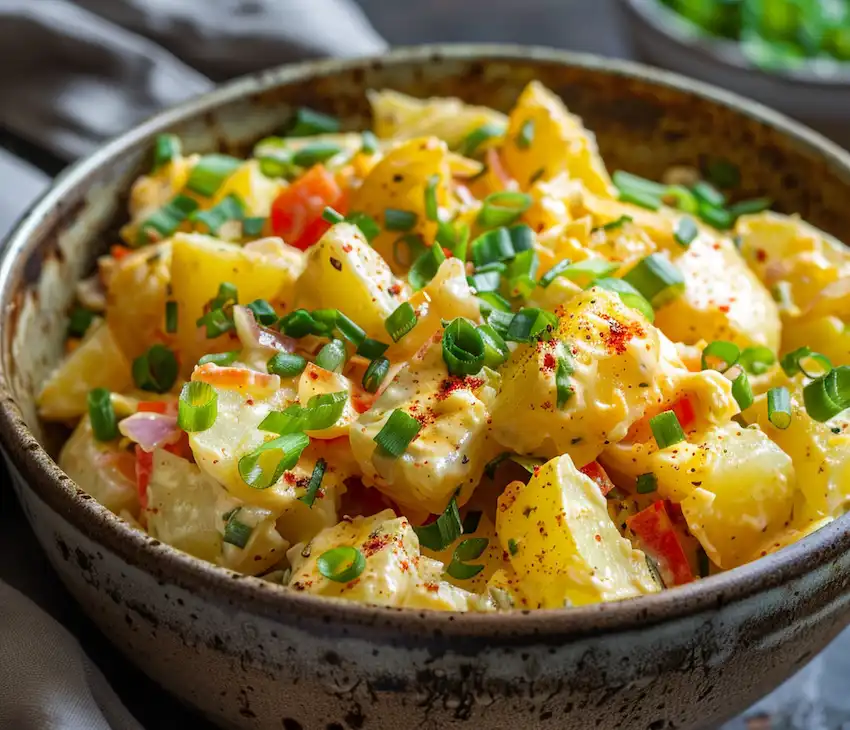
[97,363]
[562,543]
[453,445]
[316,381]
[343,272]
[395,573]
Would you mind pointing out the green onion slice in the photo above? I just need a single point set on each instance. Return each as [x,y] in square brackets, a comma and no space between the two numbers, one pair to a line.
[615,224]
[425,267]
[742,392]
[757,360]
[162,223]
[321,412]
[301,323]
[156,369]
[529,323]
[443,531]
[401,321]
[230,208]
[585,272]
[399,220]
[171,317]
[666,429]
[367,224]
[502,209]
[369,143]
[235,532]
[720,218]
[647,483]
[308,122]
[286,364]
[471,521]
[485,282]
[522,272]
[625,181]
[642,200]
[332,356]
[628,295]
[656,279]
[375,374]
[493,302]
[265,465]
[104,424]
[313,154]
[81,319]
[315,483]
[469,549]
[495,348]
[479,136]
[397,433]
[709,194]
[562,380]
[492,246]
[828,395]
[431,208]
[728,353]
[500,320]
[750,207]
[252,227]
[463,348]
[454,237]
[371,349]
[681,198]
[408,248]
[165,148]
[779,407]
[263,311]
[217,322]
[197,407]
[329,215]
[341,564]
[526,135]
[222,359]
[210,172]
[686,231]
[801,361]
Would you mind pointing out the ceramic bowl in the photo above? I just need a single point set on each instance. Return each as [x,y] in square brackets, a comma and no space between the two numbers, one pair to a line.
[818,95]
[249,654]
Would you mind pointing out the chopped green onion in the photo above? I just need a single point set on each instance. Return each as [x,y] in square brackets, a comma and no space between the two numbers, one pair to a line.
[756,360]
[81,319]
[642,200]
[286,364]
[165,148]
[261,468]
[397,433]
[628,295]
[166,220]
[681,198]
[647,483]
[229,209]
[500,320]
[463,348]
[431,208]
[742,391]
[332,356]
[375,374]
[727,352]
[656,279]
[495,348]
[367,224]
[197,407]
[497,266]
[252,226]
[492,246]
[720,218]
[171,316]
[454,237]
[479,136]
[210,172]
[263,311]
[401,321]
[666,429]
[369,143]
[795,362]
[522,271]
[308,122]
[709,194]
[491,301]
[469,549]
[554,273]
[301,323]
[522,237]
[349,329]
[750,207]
[828,395]
[227,294]
[425,267]
[315,482]
[526,135]
[585,271]
[625,181]
[779,407]
[485,282]
[471,521]
[562,381]
[156,369]
[371,349]
[235,532]
[324,410]
[222,359]
[513,547]
[443,531]
[502,209]
[329,215]
[615,224]
[217,322]
[313,154]
[399,220]
[341,564]
[104,424]
[414,247]
[529,323]
[686,231]
[279,165]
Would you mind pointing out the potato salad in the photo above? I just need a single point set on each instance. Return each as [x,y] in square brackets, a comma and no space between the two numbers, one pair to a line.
[456,363]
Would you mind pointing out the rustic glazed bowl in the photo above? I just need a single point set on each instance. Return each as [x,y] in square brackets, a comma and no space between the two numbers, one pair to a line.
[251,655]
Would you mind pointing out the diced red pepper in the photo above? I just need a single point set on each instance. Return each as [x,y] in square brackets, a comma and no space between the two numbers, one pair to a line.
[658,539]
[296,213]
[144,469]
[156,406]
[684,410]
[595,471]
[118,251]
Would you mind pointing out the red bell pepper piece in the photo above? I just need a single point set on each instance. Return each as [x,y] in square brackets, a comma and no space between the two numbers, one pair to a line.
[595,471]
[296,213]
[684,410]
[658,539]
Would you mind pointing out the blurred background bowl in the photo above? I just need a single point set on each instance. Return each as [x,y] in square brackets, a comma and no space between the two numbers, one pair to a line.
[817,93]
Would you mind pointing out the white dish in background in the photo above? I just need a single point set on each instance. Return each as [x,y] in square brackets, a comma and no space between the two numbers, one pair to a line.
[818,94]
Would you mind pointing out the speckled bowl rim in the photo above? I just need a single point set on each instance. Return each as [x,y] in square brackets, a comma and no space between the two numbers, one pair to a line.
[667,22]
[411,627]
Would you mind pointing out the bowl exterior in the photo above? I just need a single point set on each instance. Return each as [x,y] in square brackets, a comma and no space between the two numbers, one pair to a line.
[250,655]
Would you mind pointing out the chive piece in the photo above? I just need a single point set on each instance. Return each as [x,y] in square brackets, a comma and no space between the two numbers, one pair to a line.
[286,364]
[554,273]
[235,532]
[666,429]
[709,194]
[341,564]
[227,294]
[686,231]
[757,360]
[522,272]
[280,165]
[500,320]
[332,356]
[156,369]
[502,208]
[229,209]
[496,350]
[486,282]
[408,248]
[630,296]
[750,207]
[526,135]
[222,359]
[375,374]
[171,316]
[470,549]
[720,218]
[401,321]
[797,362]
[492,246]
[513,547]
[252,226]
[647,483]
[81,319]
[399,220]
[263,312]
[217,322]
[371,349]
[431,208]
[301,323]
[425,267]
[331,216]
[491,301]
[742,392]
[522,237]
[828,395]
[643,200]
[262,467]
[369,143]
[528,324]
[727,352]
[627,181]
[779,407]
[454,237]
[367,224]
[210,172]
[479,136]
[165,148]
[313,154]
[497,266]
[397,433]
[162,223]
[308,122]
[197,407]
[443,531]
[681,198]
[615,224]
[463,348]
[315,483]
[562,381]
[104,424]
[656,279]
[582,272]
